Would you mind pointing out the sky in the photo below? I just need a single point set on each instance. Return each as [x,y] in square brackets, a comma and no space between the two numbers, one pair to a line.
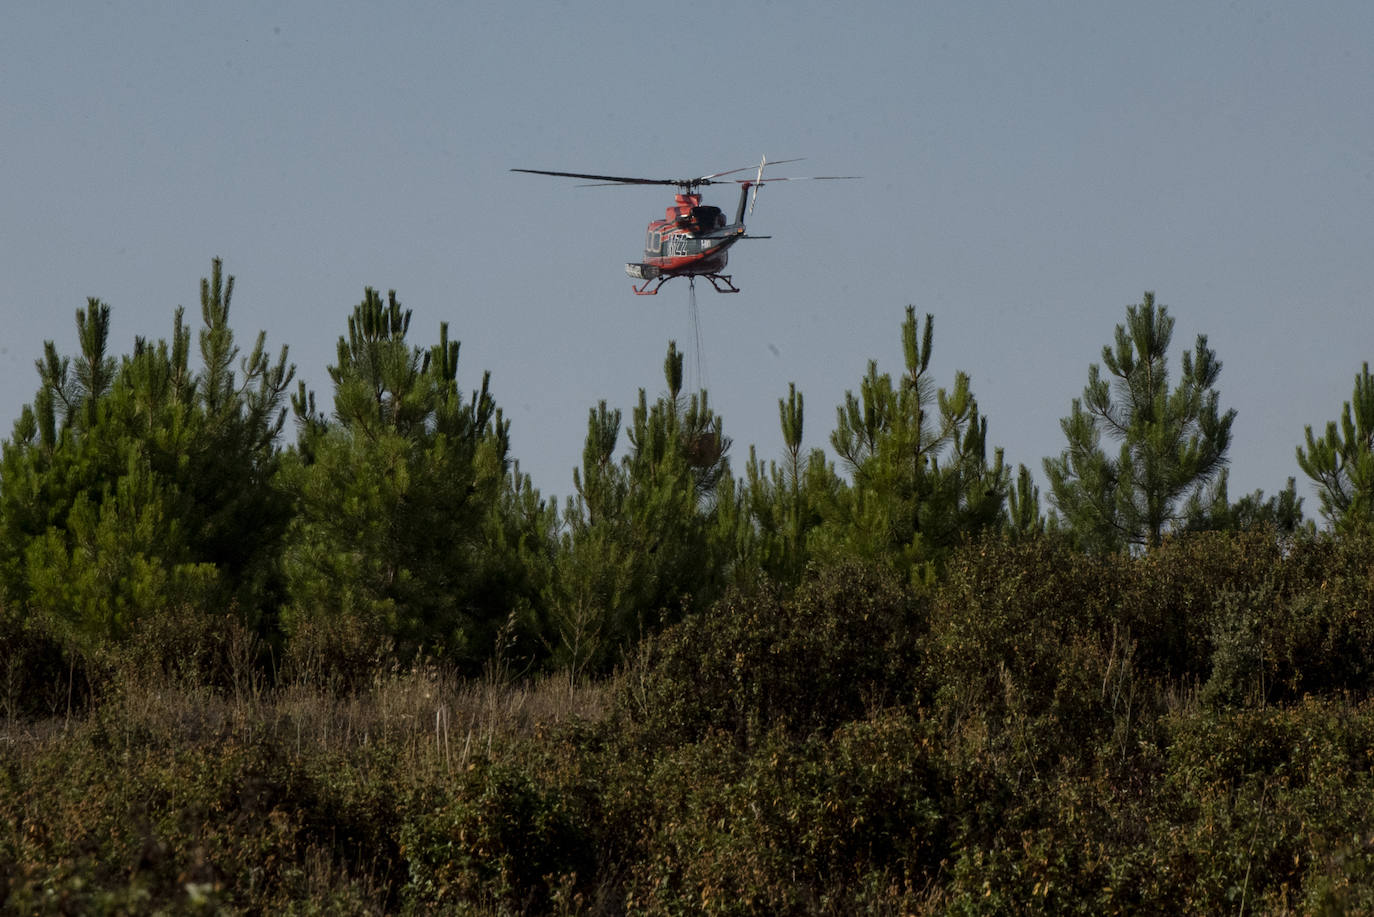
[1029,170]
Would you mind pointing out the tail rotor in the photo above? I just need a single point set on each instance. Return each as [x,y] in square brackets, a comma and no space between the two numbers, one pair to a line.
[758,183]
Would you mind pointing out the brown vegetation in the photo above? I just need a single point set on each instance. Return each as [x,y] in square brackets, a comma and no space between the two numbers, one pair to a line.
[1189,731]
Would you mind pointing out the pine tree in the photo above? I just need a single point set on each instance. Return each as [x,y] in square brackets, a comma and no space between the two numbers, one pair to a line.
[918,456]
[515,572]
[784,499]
[1173,443]
[591,598]
[1213,511]
[387,549]
[1341,461]
[642,545]
[1023,516]
[133,488]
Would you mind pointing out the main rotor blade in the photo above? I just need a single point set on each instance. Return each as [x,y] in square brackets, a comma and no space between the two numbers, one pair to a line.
[630,180]
[608,179]
[764,181]
[773,162]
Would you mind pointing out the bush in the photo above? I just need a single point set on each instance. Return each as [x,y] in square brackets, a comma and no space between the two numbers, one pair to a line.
[1319,637]
[1022,630]
[37,678]
[793,825]
[845,642]
[494,839]
[98,827]
[1170,600]
[1265,803]
[1253,619]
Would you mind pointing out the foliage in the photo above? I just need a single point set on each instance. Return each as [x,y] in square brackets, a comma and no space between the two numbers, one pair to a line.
[844,642]
[384,553]
[493,835]
[1251,618]
[1341,461]
[1173,443]
[1023,516]
[921,478]
[784,502]
[1023,629]
[519,560]
[1280,514]
[641,546]
[1020,738]
[816,825]
[905,692]
[103,825]
[135,487]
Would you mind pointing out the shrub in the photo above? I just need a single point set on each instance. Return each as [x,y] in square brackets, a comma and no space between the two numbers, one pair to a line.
[1022,629]
[845,642]
[1169,601]
[494,838]
[37,678]
[1268,806]
[1319,637]
[794,825]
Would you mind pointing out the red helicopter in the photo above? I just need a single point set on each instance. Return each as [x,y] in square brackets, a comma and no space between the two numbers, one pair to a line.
[693,239]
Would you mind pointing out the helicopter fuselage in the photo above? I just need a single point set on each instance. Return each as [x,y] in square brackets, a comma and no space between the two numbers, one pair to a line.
[691,240]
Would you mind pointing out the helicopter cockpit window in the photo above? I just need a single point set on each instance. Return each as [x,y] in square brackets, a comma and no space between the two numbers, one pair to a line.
[708,218]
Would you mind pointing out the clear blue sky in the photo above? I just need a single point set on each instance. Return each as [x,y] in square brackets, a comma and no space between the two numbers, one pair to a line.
[1029,170]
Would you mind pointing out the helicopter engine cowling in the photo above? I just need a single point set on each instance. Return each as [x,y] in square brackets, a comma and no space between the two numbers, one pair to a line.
[642,271]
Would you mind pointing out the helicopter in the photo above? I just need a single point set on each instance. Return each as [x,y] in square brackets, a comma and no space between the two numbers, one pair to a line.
[693,239]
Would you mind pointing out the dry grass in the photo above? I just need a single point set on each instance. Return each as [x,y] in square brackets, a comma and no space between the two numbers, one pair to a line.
[432,714]
[426,712]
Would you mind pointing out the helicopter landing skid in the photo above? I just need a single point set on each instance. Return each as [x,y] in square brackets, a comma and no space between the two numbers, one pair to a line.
[718,279]
[721,283]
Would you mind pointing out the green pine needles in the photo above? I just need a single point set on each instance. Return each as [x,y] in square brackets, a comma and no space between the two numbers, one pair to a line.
[1171,442]
[1341,461]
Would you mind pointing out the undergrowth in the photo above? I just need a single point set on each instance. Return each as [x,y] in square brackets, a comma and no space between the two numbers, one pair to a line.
[1040,732]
